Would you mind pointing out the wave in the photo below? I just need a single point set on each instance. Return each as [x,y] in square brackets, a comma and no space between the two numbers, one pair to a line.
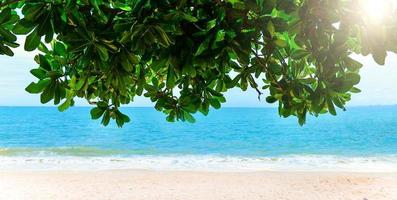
[384,163]
[70,151]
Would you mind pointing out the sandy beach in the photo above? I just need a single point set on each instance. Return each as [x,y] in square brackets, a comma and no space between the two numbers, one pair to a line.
[178,185]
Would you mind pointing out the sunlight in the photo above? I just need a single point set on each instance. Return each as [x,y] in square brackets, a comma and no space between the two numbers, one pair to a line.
[378,10]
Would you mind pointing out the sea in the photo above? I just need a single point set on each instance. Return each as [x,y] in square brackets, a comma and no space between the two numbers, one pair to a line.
[228,139]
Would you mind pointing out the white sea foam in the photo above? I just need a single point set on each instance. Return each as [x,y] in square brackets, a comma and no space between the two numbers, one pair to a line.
[204,163]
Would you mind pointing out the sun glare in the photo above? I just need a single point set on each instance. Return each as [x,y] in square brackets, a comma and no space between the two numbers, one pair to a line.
[378,10]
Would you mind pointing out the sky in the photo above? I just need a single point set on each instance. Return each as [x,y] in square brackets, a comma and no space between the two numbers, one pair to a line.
[378,84]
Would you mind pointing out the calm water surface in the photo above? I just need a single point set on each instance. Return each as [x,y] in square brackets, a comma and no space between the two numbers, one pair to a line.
[360,131]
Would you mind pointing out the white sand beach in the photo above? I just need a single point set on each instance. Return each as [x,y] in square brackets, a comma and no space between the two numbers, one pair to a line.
[180,185]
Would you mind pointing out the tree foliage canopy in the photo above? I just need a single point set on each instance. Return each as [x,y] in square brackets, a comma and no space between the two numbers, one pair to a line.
[185,54]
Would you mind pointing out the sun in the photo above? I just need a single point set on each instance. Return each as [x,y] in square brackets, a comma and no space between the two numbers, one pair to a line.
[378,10]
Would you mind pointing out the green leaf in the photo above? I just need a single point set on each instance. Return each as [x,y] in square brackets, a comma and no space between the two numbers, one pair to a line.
[299,54]
[59,48]
[106,118]
[331,107]
[23,27]
[189,69]
[188,17]
[170,78]
[163,40]
[215,103]
[270,28]
[57,93]
[380,57]
[203,46]
[33,11]
[65,105]
[96,112]
[7,35]
[43,48]
[352,64]
[45,27]
[121,118]
[80,83]
[32,41]
[171,117]
[6,51]
[128,60]
[302,118]
[280,43]
[103,52]
[270,99]
[188,117]
[204,109]
[220,36]
[35,88]
[127,66]
[353,78]
[308,80]
[355,90]
[125,118]
[96,4]
[211,24]
[338,103]
[102,105]
[5,15]
[44,64]
[48,93]
[133,58]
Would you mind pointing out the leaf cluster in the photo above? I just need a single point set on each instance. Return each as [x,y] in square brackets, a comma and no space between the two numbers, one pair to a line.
[185,54]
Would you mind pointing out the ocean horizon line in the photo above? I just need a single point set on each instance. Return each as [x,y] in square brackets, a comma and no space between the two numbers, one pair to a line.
[126,106]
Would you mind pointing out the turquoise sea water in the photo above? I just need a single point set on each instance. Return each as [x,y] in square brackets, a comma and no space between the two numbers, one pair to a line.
[249,138]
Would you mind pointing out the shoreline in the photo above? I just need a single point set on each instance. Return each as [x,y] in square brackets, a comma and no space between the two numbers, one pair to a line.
[210,163]
[195,185]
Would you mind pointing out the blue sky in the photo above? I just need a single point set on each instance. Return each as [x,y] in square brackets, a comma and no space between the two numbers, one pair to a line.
[378,84]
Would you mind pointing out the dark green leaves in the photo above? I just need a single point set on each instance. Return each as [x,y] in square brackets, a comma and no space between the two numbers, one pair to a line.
[23,27]
[185,55]
[170,78]
[36,88]
[103,52]
[331,108]
[48,93]
[215,103]
[7,38]
[39,73]
[188,117]
[203,46]
[270,99]
[299,54]
[33,11]
[32,41]
[107,113]
[7,35]
[121,118]
[128,61]
[97,112]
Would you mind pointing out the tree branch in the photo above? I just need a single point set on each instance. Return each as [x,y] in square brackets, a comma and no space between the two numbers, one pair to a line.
[259,92]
